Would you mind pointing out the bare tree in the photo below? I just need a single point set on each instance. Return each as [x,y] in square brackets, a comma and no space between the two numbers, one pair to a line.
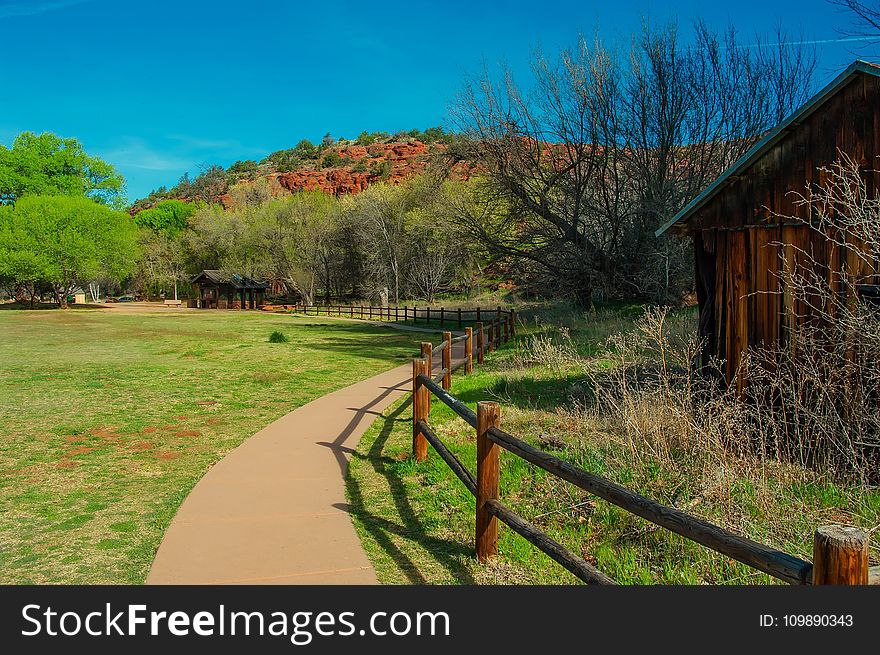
[604,148]
[866,17]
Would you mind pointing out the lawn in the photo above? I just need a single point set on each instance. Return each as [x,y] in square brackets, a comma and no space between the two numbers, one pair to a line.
[109,419]
[416,521]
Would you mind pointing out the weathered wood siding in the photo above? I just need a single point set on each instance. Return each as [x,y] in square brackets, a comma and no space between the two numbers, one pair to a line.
[744,224]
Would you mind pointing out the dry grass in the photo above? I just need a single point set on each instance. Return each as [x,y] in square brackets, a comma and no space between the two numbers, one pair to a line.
[624,403]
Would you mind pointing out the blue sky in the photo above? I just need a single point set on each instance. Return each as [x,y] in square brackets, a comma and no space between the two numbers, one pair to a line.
[163,87]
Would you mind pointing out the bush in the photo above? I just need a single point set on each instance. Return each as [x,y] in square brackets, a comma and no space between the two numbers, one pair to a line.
[331,159]
[381,170]
[278,337]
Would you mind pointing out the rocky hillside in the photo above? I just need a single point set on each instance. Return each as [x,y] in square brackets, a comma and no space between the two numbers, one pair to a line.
[345,167]
[355,169]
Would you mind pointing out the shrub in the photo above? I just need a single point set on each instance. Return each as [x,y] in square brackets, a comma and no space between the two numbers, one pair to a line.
[278,337]
[331,159]
[382,169]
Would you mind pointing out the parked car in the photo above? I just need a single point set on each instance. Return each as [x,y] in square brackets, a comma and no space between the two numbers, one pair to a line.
[126,298]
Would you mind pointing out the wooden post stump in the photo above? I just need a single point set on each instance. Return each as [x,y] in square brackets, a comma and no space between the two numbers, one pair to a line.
[840,556]
[488,470]
[446,360]
[421,409]
[469,350]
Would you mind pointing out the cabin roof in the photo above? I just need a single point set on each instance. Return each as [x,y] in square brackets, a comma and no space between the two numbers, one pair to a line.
[769,140]
[234,280]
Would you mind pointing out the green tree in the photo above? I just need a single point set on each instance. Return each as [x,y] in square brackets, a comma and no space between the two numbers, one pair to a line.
[245,167]
[46,164]
[365,138]
[331,159]
[64,241]
[305,149]
[169,216]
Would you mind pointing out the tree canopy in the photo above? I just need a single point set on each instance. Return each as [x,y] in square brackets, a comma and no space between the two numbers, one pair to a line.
[46,164]
[64,241]
[169,216]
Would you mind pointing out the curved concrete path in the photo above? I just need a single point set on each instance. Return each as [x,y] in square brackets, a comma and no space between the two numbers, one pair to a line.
[273,511]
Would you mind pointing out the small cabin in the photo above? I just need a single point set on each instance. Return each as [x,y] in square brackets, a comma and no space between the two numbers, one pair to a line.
[742,246]
[222,290]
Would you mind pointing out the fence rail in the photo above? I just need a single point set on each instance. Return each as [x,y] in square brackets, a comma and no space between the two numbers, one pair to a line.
[459,316]
[840,553]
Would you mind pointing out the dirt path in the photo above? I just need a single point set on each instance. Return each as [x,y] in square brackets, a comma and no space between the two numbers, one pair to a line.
[273,511]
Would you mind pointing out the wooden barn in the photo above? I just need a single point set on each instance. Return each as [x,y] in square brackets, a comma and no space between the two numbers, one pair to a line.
[741,245]
[221,290]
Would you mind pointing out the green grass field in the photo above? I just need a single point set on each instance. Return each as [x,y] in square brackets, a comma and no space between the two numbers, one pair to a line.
[109,418]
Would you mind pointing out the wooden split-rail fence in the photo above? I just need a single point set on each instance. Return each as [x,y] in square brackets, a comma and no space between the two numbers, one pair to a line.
[494,318]
[840,553]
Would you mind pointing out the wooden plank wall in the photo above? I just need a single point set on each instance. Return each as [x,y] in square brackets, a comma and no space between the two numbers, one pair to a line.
[744,223]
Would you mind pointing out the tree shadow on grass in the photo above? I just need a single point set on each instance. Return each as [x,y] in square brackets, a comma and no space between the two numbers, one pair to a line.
[527,392]
[367,341]
[446,553]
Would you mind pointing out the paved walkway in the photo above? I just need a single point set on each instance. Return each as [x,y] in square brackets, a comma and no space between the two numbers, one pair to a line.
[273,511]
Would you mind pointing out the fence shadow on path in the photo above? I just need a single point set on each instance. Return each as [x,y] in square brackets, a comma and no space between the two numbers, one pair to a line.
[446,553]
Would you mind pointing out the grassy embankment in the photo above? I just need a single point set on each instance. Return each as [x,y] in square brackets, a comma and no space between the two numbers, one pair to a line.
[416,521]
[109,418]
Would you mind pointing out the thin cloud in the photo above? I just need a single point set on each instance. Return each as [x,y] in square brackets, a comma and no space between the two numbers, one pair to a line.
[203,144]
[18,8]
[844,39]
[216,146]
[135,153]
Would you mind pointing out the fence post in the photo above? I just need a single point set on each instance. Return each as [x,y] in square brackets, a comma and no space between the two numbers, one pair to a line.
[427,314]
[513,324]
[506,321]
[840,556]
[429,356]
[447,360]
[491,335]
[459,318]
[421,408]
[469,350]
[442,316]
[488,416]
[479,342]
[478,314]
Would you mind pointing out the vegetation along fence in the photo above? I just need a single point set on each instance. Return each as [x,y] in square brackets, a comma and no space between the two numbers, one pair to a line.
[840,553]
[495,318]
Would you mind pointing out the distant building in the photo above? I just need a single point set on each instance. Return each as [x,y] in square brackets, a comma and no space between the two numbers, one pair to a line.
[743,245]
[222,290]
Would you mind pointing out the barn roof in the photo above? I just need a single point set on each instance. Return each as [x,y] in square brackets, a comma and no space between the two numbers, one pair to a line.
[233,279]
[769,140]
